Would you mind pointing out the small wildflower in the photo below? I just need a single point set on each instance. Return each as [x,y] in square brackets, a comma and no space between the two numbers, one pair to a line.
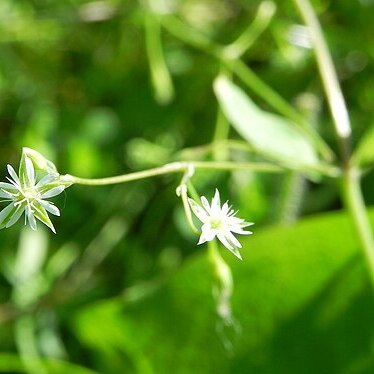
[219,222]
[27,195]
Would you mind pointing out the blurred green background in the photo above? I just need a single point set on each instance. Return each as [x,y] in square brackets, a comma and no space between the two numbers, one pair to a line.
[101,88]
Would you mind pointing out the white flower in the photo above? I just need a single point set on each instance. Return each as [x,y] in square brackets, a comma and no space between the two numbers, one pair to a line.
[26,195]
[219,222]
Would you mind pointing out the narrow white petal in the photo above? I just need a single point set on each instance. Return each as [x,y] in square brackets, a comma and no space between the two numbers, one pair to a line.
[6,212]
[205,203]
[216,201]
[53,192]
[46,179]
[221,237]
[13,174]
[225,208]
[198,210]
[15,217]
[202,239]
[49,207]
[236,253]
[30,172]
[232,239]
[31,219]
[238,230]
[206,236]
[6,194]
[8,186]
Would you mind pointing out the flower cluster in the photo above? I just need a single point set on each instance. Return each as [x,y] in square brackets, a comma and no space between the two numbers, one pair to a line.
[219,222]
[27,195]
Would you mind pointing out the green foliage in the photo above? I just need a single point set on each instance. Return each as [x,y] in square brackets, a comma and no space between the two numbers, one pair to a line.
[301,293]
[364,154]
[102,88]
[268,133]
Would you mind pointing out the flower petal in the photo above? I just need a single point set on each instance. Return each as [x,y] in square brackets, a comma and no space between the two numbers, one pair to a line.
[222,238]
[216,201]
[15,216]
[6,213]
[8,186]
[53,192]
[198,210]
[5,194]
[208,232]
[30,172]
[30,218]
[49,207]
[205,203]
[46,179]
[13,174]
[232,239]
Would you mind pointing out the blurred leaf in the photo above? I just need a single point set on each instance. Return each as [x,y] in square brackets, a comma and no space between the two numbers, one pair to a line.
[364,153]
[28,281]
[10,363]
[142,153]
[270,134]
[300,293]
[31,254]
[161,79]
[100,125]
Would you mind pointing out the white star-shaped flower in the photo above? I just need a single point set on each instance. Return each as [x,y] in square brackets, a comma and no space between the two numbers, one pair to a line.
[220,222]
[26,195]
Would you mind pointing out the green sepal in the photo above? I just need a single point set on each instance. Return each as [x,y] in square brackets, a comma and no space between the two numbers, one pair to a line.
[41,214]
[39,161]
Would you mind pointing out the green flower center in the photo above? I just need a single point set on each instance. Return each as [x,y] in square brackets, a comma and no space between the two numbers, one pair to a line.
[29,194]
[216,223]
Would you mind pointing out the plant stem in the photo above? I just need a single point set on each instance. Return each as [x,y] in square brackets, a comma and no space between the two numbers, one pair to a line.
[352,194]
[161,79]
[329,77]
[223,281]
[240,69]
[354,202]
[264,14]
[175,167]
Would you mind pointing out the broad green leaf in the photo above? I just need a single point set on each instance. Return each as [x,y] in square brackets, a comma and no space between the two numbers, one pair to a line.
[364,153]
[302,297]
[269,134]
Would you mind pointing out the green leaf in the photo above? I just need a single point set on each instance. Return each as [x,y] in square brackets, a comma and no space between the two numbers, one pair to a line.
[269,134]
[11,363]
[364,153]
[302,295]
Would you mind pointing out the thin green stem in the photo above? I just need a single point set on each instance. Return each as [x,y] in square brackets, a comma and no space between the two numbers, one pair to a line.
[161,79]
[182,192]
[354,201]
[223,281]
[240,69]
[265,13]
[27,346]
[329,77]
[352,194]
[175,167]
